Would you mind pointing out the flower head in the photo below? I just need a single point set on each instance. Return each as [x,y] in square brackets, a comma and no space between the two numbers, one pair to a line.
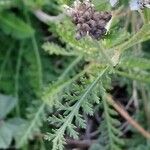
[139,4]
[88,21]
[144,3]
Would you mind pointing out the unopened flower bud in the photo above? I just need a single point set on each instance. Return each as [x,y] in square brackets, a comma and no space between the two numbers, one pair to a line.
[86,27]
[92,23]
[101,23]
[96,16]
[78,26]
[81,20]
[87,16]
[78,36]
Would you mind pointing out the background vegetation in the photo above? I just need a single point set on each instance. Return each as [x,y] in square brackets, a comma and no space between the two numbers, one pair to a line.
[60,93]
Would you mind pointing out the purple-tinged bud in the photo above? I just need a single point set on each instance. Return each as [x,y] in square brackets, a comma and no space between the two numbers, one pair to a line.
[86,27]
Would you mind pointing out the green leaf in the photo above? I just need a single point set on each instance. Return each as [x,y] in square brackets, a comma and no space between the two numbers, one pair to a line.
[5,135]
[142,77]
[7,103]
[5,4]
[52,48]
[111,124]
[142,35]
[132,62]
[16,125]
[9,130]
[15,26]
[58,135]
[116,37]
[33,126]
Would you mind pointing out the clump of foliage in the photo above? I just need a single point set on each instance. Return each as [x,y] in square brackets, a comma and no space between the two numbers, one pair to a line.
[58,92]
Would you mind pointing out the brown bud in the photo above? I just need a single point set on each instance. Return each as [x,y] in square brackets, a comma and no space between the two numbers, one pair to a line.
[104,31]
[78,36]
[83,33]
[79,26]
[75,19]
[101,23]
[81,20]
[101,14]
[82,7]
[98,34]
[96,16]
[107,16]
[86,27]
[92,23]
[92,31]
[87,15]
[80,12]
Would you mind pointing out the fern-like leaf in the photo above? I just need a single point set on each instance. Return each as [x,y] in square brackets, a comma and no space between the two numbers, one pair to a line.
[52,48]
[76,100]
[15,26]
[35,116]
[110,125]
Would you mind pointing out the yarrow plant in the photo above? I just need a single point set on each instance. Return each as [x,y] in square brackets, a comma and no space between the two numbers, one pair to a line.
[90,87]
[87,86]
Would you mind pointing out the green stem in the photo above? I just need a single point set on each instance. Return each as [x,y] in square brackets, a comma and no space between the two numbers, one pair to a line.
[142,16]
[17,80]
[37,54]
[39,64]
[74,63]
[146,104]
[145,15]
[59,86]
[5,61]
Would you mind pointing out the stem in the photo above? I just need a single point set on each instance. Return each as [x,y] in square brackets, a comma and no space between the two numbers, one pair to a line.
[5,61]
[146,104]
[17,80]
[142,16]
[45,18]
[39,64]
[80,143]
[37,54]
[76,61]
[145,15]
[126,116]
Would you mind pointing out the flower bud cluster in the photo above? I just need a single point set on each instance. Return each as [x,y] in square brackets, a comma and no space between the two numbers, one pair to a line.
[89,21]
[144,3]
